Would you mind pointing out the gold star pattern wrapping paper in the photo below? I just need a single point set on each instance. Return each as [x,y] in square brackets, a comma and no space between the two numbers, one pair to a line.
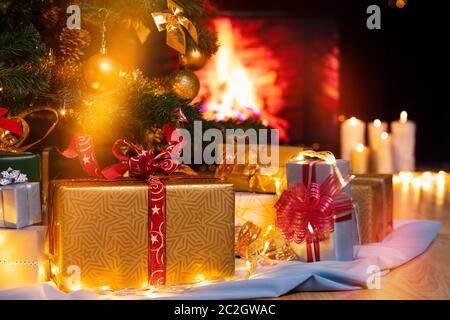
[102,229]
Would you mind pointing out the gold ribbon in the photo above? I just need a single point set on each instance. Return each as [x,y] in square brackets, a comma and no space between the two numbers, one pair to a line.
[10,143]
[326,156]
[174,22]
[255,177]
[260,247]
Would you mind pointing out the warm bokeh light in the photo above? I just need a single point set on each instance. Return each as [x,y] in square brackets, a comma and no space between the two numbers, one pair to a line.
[377,123]
[384,135]
[401,3]
[360,147]
[341,118]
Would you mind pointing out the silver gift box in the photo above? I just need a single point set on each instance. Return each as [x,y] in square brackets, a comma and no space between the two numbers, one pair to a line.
[20,205]
[340,246]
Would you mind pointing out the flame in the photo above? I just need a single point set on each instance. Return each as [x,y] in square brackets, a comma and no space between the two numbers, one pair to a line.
[404,117]
[232,90]
[353,121]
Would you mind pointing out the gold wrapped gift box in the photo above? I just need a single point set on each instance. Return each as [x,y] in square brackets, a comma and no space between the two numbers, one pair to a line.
[261,178]
[374,195]
[101,229]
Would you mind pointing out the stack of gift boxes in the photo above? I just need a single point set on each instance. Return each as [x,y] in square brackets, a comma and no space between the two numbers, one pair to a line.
[370,219]
[131,233]
[23,258]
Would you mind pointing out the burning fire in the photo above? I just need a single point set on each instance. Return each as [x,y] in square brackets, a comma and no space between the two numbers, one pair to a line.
[241,80]
[232,94]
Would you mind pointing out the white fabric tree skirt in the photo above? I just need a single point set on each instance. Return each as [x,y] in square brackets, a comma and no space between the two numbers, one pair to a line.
[409,239]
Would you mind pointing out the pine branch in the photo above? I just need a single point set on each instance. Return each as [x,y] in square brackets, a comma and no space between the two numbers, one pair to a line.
[19,83]
[21,46]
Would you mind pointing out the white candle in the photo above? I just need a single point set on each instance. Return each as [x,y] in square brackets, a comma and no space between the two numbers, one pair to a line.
[376,128]
[384,154]
[352,133]
[404,143]
[360,159]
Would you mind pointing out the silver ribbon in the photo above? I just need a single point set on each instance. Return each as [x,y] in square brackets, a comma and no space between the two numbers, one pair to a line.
[12,176]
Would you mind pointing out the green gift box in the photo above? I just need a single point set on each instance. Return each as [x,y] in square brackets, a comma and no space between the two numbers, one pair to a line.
[27,163]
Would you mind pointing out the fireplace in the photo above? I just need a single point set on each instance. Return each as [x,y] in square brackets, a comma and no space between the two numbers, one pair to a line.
[282,70]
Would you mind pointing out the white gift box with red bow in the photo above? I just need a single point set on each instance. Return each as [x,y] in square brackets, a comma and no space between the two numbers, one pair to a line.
[339,245]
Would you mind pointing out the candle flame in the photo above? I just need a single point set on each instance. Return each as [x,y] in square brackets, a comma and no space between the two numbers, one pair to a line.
[360,147]
[377,123]
[384,135]
[353,121]
[403,117]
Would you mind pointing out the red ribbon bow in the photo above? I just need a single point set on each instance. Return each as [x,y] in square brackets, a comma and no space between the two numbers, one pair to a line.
[146,163]
[8,124]
[306,212]
[143,164]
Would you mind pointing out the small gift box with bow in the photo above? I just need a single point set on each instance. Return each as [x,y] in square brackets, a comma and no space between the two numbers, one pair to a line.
[23,260]
[20,200]
[27,163]
[316,214]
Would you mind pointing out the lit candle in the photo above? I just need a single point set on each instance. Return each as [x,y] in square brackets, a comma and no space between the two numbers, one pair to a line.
[376,128]
[360,159]
[352,133]
[384,154]
[404,143]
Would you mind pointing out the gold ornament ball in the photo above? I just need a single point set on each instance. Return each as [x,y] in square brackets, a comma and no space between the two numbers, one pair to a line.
[101,72]
[185,84]
[193,60]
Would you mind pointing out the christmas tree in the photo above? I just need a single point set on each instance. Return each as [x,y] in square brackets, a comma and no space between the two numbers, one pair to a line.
[56,54]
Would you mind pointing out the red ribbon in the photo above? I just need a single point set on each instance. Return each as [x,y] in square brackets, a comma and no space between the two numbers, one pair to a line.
[144,164]
[306,212]
[8,124]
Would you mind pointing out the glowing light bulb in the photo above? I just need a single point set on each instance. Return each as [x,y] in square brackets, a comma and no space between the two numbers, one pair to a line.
[353,121]
[54,270]
[360,147]
[384,135]
[63,112]
[200,278]
[404,117]
[41,273]
[377,123]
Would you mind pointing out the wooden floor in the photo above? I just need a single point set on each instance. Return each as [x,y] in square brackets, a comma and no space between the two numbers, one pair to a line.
[427,276]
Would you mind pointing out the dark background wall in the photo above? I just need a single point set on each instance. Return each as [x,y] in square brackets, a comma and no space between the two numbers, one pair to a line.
[405,65]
